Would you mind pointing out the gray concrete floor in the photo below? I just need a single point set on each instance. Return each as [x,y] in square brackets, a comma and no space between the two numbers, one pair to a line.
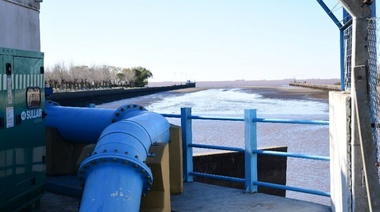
[55,202]
[204,197]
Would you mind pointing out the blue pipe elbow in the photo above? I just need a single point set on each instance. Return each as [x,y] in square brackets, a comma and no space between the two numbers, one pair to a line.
[115,175]
[118,163]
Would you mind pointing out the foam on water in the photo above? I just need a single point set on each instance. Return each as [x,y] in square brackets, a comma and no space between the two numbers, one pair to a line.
[233,102]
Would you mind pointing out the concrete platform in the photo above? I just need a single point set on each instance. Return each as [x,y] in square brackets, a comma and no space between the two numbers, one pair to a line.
[56,202]
[204,197]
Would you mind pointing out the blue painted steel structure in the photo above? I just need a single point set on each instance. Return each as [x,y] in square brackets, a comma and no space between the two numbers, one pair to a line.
[115,175]
[263,152]
[84,125]
[347,22]
[187,136]
[250,138]
[341,38]
[250,149]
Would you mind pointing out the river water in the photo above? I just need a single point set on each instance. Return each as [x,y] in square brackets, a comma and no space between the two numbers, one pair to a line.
[231,102]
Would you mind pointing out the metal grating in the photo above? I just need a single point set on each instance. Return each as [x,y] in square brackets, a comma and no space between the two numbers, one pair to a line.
[347,57]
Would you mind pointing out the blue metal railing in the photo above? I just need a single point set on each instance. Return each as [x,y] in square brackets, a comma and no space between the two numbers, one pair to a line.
[250,151]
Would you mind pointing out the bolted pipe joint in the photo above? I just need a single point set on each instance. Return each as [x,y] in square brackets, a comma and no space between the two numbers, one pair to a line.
[115,174]
[113,182]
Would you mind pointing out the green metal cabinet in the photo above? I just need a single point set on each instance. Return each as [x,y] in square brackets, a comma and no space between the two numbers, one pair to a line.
[22,129]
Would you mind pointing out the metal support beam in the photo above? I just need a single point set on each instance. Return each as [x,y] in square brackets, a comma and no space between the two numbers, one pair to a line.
[329,13]
[339,25]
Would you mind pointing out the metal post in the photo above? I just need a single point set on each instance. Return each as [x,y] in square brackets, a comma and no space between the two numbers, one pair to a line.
[250,138]
[342,60]
[187,139]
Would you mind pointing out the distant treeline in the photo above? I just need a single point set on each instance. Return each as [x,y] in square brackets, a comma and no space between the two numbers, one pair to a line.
[73,77]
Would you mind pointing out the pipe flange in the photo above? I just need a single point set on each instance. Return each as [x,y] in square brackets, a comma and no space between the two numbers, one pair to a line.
[125,162]
[119,113]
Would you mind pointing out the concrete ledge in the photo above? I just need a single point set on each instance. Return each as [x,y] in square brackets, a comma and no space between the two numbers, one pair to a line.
[84,98]
[340,151]
[271,169]
[316,86]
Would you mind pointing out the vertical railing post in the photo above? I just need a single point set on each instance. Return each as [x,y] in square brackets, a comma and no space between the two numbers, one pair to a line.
[187,139]
[342,61]
[250,139]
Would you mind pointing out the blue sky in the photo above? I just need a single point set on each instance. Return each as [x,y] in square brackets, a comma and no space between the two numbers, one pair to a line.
[195,39]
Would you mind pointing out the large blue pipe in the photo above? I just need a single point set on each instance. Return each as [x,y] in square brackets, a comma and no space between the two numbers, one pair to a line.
[115,175]
[84,125]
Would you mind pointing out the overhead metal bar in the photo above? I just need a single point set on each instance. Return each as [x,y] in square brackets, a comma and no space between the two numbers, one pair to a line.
[330,13]
[341,37]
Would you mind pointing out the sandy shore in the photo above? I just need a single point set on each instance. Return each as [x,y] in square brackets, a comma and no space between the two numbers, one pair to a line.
[278,89]
[278,92]
[288,92]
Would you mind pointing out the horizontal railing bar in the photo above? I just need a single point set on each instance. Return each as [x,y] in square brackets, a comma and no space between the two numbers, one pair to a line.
[264,184]
[275,153]
[218,177]
[264,152]
[292,188]
[204,146]
[294,155]
[291,121]
[262,120]
[217,118]
[203,117]
[171,115]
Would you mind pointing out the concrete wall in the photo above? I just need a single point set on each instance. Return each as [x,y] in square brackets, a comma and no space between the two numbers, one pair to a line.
[271,169]
[340,151]
[20,24]
[84,98]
